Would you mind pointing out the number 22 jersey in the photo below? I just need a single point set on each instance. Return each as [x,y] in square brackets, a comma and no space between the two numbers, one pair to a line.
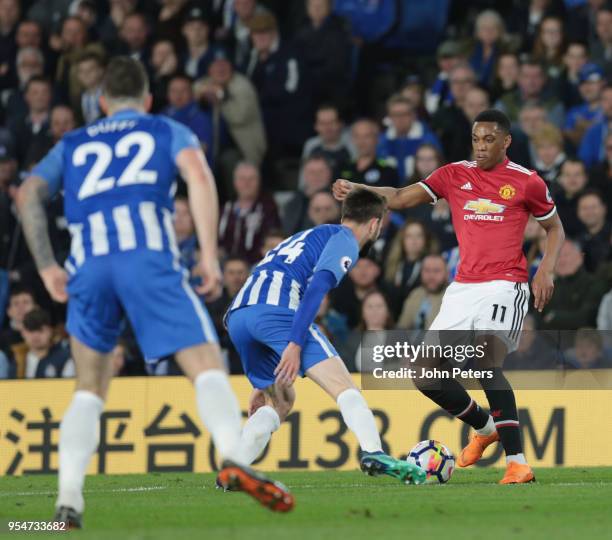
[118,176]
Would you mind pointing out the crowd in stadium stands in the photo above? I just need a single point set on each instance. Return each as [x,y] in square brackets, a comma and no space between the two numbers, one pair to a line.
[286,96]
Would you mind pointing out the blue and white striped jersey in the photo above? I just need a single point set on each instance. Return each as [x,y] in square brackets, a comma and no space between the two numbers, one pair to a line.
[282,276]
[118,176]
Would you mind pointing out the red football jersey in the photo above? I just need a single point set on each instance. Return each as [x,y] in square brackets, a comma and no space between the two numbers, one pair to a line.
[490,210]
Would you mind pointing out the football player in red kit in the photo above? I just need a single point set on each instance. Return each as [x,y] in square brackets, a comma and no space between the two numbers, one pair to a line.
[490,199]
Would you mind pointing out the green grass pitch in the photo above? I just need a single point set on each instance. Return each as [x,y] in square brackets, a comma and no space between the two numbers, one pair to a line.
[564,503]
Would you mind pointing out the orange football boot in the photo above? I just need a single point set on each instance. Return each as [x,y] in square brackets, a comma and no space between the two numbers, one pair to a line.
[518,473]
[475,448]
[272,495]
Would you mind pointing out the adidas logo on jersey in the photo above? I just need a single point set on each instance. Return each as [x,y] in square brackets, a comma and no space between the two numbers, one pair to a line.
[467,186]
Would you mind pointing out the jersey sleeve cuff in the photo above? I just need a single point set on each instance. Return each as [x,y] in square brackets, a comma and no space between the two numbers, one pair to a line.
[546,216]
[431,192]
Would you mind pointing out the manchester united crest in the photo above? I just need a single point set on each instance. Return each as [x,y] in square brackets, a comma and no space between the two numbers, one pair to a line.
[507,191]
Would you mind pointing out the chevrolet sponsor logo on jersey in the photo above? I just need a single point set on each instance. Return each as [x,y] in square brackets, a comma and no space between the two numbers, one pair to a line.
[484,210]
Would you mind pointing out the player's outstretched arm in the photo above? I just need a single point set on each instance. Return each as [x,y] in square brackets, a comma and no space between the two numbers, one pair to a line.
[31,199]
[204,205]
[542,284]
[397,198]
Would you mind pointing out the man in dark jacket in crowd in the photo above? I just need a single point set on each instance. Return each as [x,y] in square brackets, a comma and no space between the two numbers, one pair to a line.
[577,293]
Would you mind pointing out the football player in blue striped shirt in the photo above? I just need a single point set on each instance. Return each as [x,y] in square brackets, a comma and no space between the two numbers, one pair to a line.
[118,177]
[271,325]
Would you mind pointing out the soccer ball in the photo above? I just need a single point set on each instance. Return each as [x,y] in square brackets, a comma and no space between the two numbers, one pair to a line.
[435,458]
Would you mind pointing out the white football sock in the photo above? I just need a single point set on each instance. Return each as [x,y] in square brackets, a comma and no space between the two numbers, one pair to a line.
[518,458]
[360,420]
[79,433]
[488,428]
[219,411]
[257,432]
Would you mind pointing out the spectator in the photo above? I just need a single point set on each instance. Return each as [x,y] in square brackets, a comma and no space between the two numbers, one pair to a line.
[28,34]
[592,147]
[531,89]
[548,144]
[90,72]
[601,52]
[38,100]
[184,229]
[574,59]
[423,303]
[200,53]
[601,174]
[572,180]
[232,96]
[21,301]
[316,175]
[331,142]
[330,74]
[577,293]
[134,36]
[323,209]
[427,159]
[596,240]
[531,118]
[461,79]
[588,351]
[581,117]
[44,359]
[348,296]
[449,55]
[368,167]
[489,35]
[527,17]
[376,316]
[404,135]
[533,351]
[245,221]
[403,267]
[582,22]
[236,31]
[235,273]
[73,42]
[506,75]
[170,19]
[454,128]
[413,90]
[110,27]
[549,45]
[277,73]
[61,121]
[183,108]
[30,63]
[164,65]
